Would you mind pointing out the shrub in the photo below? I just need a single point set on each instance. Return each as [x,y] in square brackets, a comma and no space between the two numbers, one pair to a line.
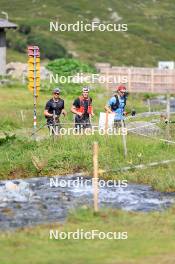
[49,47]
[17,42]
[66,67]
[24,29]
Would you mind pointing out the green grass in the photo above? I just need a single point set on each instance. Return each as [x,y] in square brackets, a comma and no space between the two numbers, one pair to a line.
[150,35]
[150,239]
[16,97]
[150,236]
[74,153]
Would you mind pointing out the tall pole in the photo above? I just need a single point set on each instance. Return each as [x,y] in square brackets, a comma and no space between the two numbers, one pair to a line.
[34,94]
[124,139]
[34,80]
[168,116]
[95,175]
[149,105]
[168,106]
[2,52]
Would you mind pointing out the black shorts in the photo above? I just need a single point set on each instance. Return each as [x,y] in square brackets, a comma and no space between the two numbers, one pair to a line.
[82,122]
[118,123]
[54,127]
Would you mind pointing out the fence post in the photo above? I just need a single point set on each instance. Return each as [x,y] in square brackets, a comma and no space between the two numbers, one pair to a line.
[168,106]
[124,140]
[149,105]
[22,115]
[95,175]
[168,115]
[152,80]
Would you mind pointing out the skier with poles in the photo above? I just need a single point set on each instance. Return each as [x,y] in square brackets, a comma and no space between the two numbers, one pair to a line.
[82,108]
[53,109]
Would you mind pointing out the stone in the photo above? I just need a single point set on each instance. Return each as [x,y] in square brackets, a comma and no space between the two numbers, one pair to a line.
[115,17]
[96,20]
[10,186]
[19,70]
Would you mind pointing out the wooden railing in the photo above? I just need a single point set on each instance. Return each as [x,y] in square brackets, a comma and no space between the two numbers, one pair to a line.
[139,79]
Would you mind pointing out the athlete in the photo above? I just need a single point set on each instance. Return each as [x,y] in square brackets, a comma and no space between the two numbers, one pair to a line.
[117,104]
[53,109]
[82,108]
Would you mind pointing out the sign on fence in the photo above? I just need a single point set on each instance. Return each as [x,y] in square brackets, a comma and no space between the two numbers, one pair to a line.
[166,65]
[106,118]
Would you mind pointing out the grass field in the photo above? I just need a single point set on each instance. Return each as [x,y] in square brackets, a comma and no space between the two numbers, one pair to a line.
[16,97]
[150,239]
[150,235]
[74,153]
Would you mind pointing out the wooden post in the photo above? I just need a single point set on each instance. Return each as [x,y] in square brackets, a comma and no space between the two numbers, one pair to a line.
[168,115]
[124,140]
[22,115]
[152,80]
[95,175]
[168,106]
[149,105]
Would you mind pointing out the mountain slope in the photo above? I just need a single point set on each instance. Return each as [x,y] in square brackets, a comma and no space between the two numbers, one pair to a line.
[150,36]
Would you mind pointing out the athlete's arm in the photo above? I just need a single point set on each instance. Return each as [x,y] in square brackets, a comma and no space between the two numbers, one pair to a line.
[108,109]
[63,112]
[75,105]
[74,111]
[46,111]
[108,106]
[47,114]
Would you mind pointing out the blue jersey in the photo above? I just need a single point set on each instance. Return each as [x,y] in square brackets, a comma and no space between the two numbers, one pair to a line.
[120,110]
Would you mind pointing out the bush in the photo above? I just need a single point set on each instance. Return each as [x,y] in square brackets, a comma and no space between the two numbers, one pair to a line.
[148,96]
[8,138]
[17,42]
[67,67]
[49,47]
[24,29]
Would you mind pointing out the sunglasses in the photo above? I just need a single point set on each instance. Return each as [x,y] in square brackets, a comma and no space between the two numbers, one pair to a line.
[57,93]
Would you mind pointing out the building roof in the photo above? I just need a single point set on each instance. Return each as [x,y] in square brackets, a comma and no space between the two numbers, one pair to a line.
[6,24]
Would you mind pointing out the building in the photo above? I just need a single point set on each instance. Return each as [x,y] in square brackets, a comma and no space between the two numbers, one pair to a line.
[4,24]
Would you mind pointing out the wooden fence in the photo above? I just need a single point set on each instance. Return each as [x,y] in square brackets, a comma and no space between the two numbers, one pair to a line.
[152,80]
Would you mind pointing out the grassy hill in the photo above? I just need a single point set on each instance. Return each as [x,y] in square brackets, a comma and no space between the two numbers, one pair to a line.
[150,35]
